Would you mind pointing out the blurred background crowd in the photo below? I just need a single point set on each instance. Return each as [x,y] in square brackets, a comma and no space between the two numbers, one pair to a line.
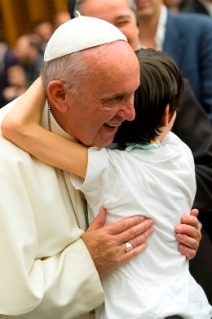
[25,28]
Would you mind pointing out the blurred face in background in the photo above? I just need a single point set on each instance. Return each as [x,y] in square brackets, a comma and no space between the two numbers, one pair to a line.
[61,18]
[22,49]
[116,12]
[148,8]
[16,76]
[26,49]
[44,31]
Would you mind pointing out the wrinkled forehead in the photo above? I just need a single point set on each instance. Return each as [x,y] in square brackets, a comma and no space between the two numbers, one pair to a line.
[112,64]
[118,52]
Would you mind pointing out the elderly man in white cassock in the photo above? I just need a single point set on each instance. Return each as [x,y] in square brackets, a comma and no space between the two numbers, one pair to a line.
[50,264]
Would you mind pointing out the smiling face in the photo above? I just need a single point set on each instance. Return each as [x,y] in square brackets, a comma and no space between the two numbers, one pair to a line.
[105,98]
[116,12]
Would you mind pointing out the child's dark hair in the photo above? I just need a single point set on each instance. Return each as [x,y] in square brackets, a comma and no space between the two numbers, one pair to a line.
[161,84]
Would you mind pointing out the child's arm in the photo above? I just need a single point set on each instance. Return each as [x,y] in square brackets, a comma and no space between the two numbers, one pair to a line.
[21,126]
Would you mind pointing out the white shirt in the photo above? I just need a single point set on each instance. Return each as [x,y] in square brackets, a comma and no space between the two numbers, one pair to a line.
[158,183]
[161,30]
[46,271]
[207,5]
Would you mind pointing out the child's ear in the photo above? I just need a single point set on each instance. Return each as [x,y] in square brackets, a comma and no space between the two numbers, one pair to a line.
[165,117]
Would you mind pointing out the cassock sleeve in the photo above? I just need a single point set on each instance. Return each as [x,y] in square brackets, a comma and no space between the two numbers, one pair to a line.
[65,285]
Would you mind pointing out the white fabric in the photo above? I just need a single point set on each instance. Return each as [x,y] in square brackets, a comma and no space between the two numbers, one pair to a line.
[207,5]
[161,30]
[157,183]
[79,34]
[46,271]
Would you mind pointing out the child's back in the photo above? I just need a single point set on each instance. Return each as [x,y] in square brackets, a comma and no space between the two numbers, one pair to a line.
[159,184]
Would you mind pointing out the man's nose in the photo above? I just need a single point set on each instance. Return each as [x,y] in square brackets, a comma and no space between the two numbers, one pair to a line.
[128,112]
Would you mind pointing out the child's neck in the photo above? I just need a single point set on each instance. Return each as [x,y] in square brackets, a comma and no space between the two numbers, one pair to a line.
[167,127]
[163,134]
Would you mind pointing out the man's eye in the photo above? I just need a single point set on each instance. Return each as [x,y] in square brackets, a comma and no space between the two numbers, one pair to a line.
[116,98]
[122,23]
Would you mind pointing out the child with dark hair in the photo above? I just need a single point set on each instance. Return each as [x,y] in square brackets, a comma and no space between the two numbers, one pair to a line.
[153,176]
[160,88]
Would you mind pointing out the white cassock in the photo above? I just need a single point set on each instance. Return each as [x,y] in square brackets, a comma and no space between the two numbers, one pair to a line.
[46,271]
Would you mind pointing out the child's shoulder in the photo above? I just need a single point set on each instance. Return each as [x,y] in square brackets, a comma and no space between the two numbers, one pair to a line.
[174,141]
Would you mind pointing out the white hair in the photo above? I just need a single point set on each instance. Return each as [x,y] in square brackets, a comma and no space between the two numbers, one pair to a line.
[70,69]
[79,3]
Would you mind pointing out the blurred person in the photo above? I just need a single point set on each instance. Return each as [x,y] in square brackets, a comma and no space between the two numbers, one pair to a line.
[29,56]
[186,38]
[60,18]
[192,126]
[51,262]
[7,59]
[17,83]
[44,30]
[120,13]
[152,166]
[199,6]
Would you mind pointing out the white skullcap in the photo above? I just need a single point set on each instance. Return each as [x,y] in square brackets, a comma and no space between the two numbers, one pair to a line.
[79,34]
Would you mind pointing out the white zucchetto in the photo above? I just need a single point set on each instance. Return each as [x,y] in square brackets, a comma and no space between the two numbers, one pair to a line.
[79,34]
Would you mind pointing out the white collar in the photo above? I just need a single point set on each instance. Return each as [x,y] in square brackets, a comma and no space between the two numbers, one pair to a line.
[54,125]
[161,30]
[207,5]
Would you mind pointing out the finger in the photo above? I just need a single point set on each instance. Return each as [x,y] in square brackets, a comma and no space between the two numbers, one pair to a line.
[190,221]
[124,224]
[191,243]
[139,240]
[135,231]
[189,253]
[188,230]
[135,252]
[98,221]
[194,212]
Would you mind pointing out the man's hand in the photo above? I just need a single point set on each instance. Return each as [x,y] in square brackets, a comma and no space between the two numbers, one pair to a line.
[107,245]
[188,234]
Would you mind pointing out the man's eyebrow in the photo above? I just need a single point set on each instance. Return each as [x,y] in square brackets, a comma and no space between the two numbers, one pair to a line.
[116,95]
[123,17]
[109,97]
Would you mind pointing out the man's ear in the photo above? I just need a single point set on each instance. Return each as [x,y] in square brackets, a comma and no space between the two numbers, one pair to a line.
[165,117]
[57,95]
